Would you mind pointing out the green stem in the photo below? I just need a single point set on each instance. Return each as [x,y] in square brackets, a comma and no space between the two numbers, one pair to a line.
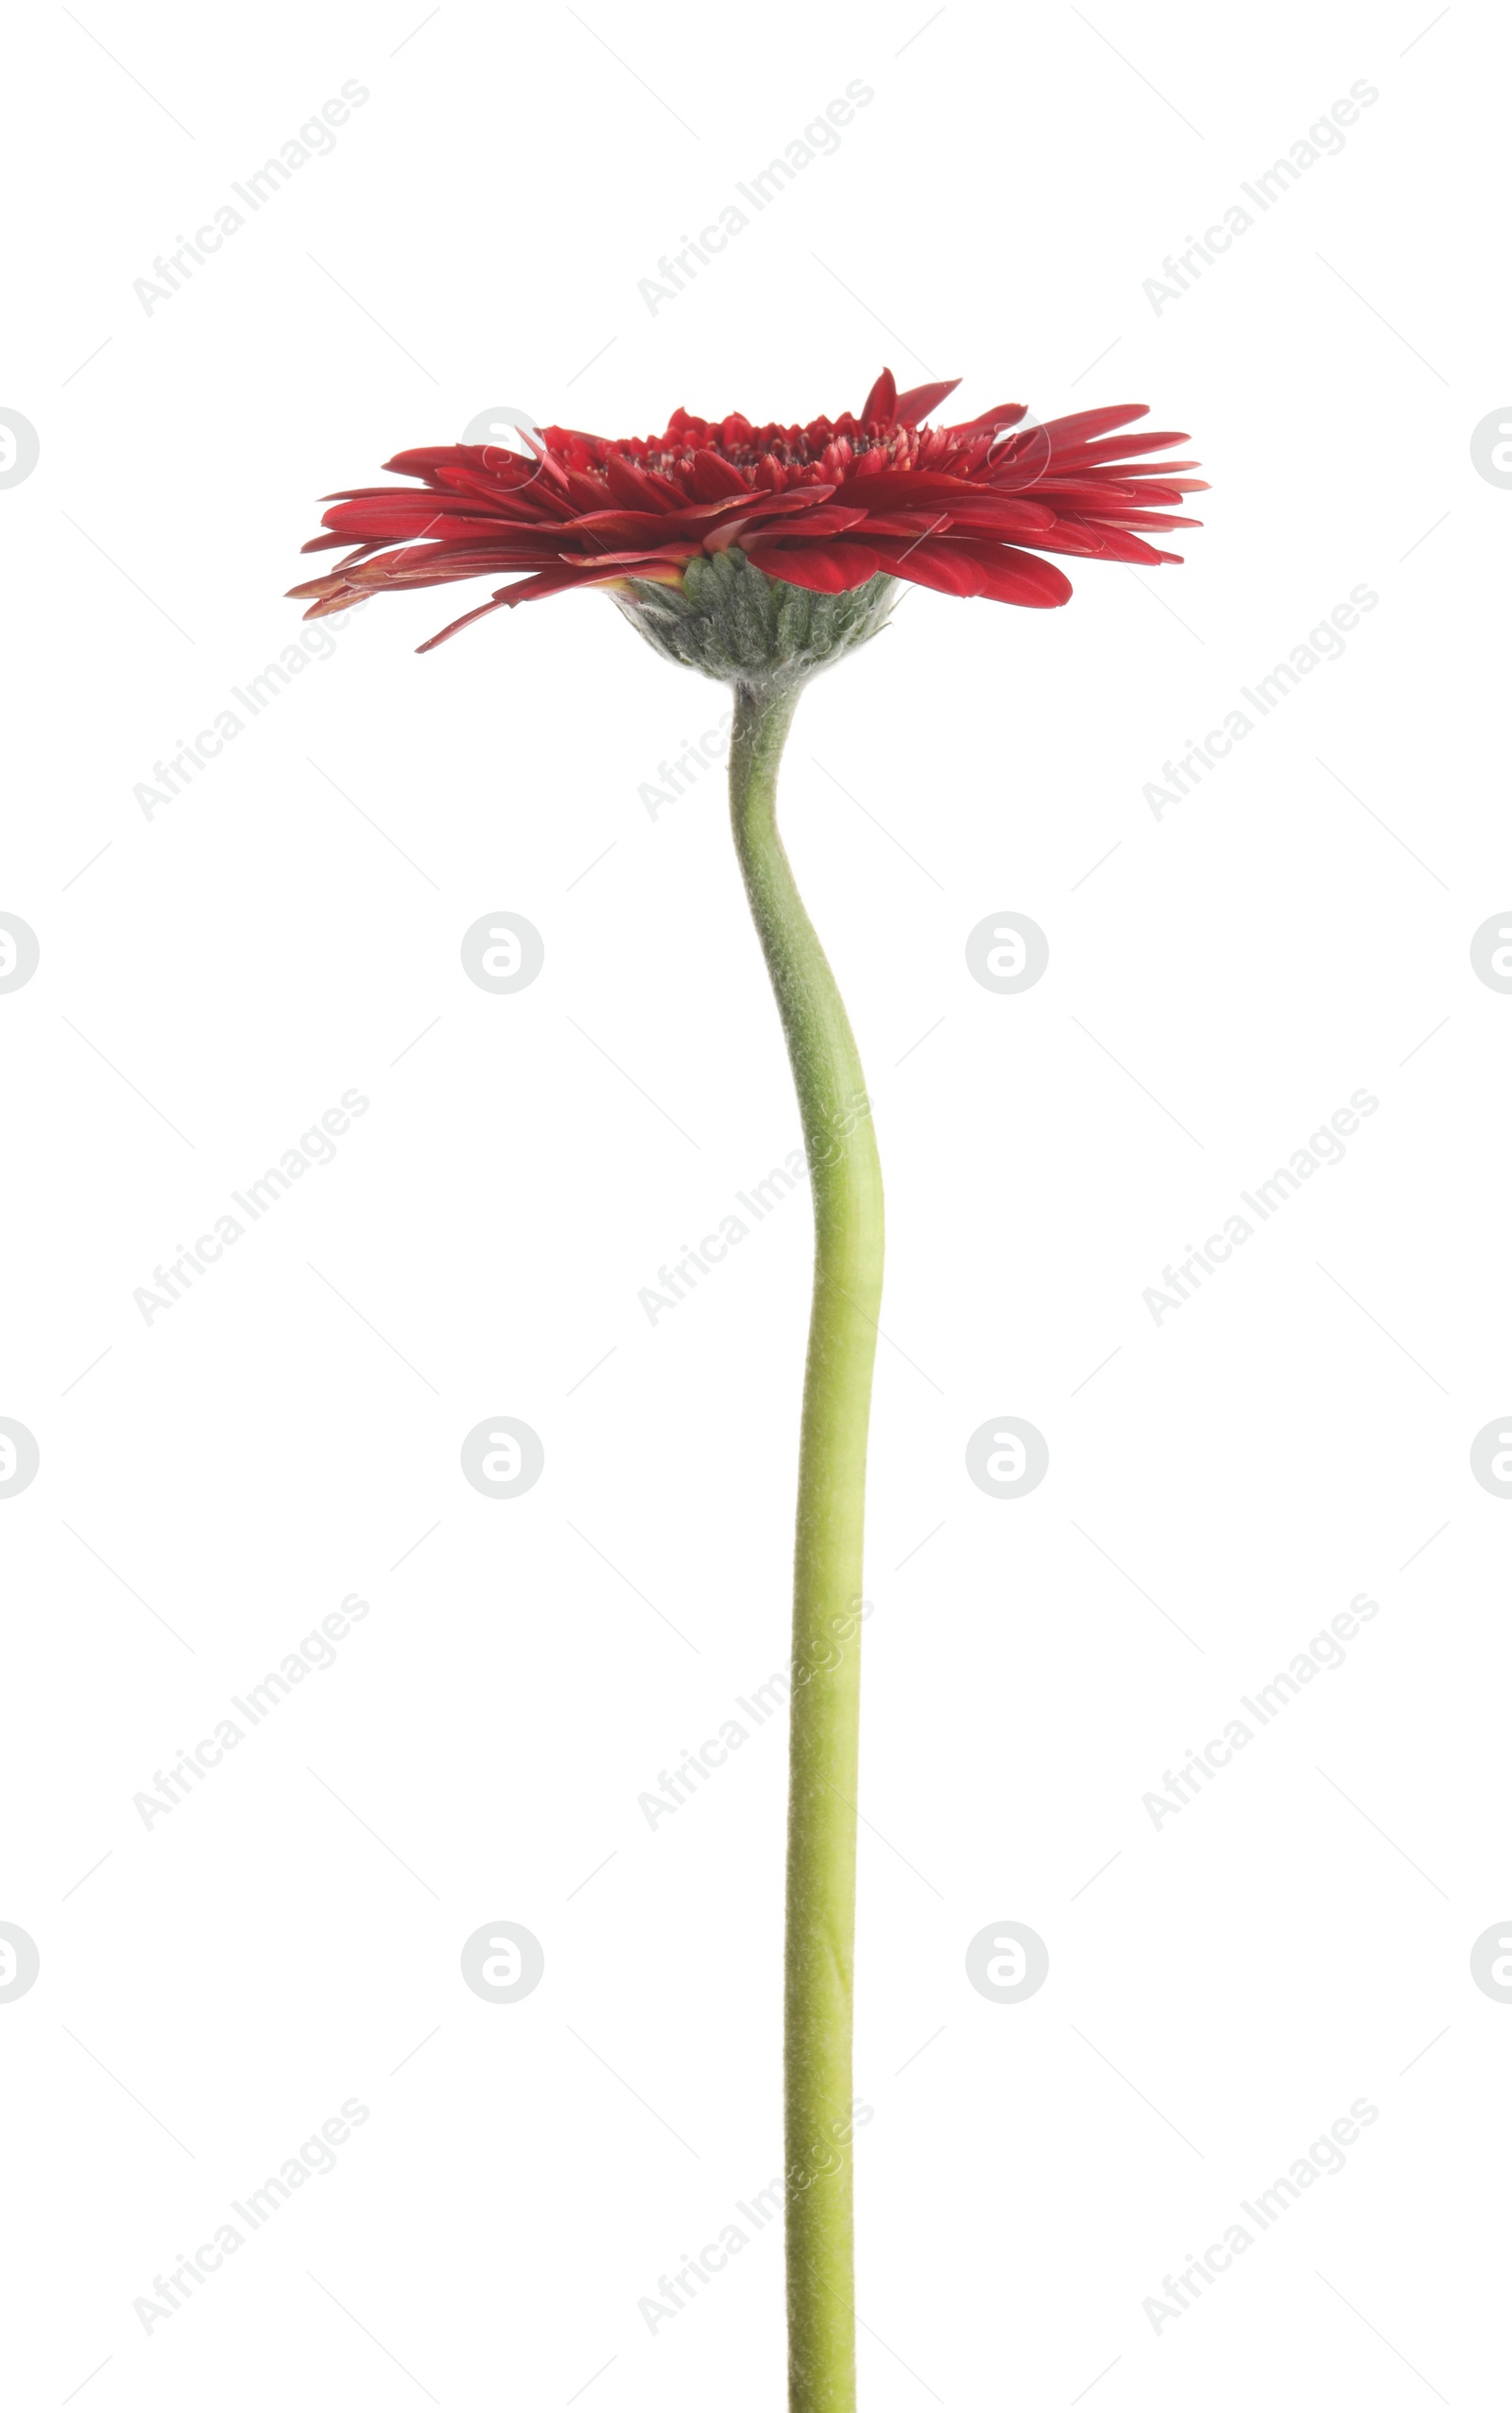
[826,1673]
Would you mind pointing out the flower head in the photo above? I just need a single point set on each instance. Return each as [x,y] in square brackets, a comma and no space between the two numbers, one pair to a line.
[838,506]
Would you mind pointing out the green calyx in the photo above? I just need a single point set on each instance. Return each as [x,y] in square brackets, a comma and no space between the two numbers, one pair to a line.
[731,621]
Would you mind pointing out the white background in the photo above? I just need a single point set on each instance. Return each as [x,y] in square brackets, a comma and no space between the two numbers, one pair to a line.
[288,928]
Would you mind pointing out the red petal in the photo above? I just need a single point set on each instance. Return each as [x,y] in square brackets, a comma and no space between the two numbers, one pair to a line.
[710,478]
[792,505]
[452,627]
[880,409]
[1098,541]
[920,400]
[968,565]
[634,487]
[1117,448]
[402,516]
[1005,415]
[832,520]
[1106,494]
[525,590]
[1003,516]
[824,569]
[1142,520]
[1087,424]
[893,490]
[622,564]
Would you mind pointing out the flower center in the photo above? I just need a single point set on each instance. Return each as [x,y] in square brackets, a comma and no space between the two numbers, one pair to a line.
[793,448]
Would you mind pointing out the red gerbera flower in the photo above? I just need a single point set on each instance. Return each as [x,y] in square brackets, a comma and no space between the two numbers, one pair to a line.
[827,506]
[761,556]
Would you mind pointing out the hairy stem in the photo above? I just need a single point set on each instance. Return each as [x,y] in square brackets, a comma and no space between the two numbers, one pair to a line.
[826,1674]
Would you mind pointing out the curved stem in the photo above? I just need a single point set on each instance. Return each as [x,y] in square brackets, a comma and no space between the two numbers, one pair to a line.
[826,1670]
